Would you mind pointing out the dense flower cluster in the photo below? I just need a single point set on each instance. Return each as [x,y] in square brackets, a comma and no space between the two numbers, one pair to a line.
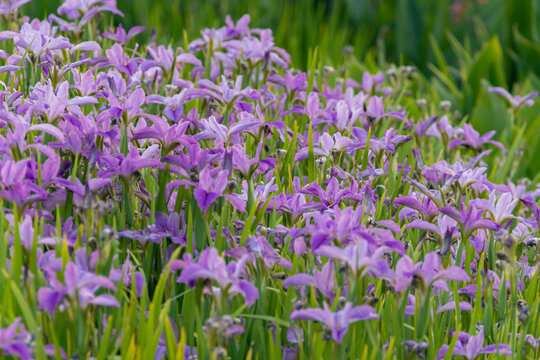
[191,202]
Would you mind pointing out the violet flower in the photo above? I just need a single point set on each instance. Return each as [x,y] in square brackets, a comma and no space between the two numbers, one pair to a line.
[214,130]
[330,197]
[473,139]
[451,306]
[289,82]
[120,35]
[212,266]
[322,280]
[426,273]
[375,110]
[10,6]
[338,321]
[516,102]
[499,209]
[360,257]
[79,286]
[169,136]
[469,220]
[259,247]
[125,167]
[212,183]
[74,9]
[472,346]
[13,340]
[535,210]
[425,207]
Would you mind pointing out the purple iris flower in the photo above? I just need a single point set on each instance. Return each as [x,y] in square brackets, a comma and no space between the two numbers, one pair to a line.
[473,139]
[10,6]
[74,9]
[342,226]
[375,110]
[345,117]
[451,306]
[469,220]
[330,197]
[78,286]
[13,340]
[373,82]
[81,191]
[120,35]
[446,230]
[212,183]
[125,167]
[338,321]
[169,136]
[36,38]
[426,273]
[259,247]
[388,143]
[327,145]
[214,130]
[472,346]
[360,257]
[296,205]
[500,209]
[15,188]
[322,280]
[435,195]
[212,266]
[165,60]
[534,209]
[425,207]
[257,49]
[120,61]
[313,108]
[516,102]
[292,83]
[126,273]
[226,92]
[423,126]
[172,226]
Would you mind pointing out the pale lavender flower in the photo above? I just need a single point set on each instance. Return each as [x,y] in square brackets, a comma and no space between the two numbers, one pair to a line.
[500,209]
[13,340]
[469,220]
[516,102]
[360,257]
[472,346]
[375,110]
[338,321]
[126,166]
[289,82]
[426,273]
[79,286]
[120,35]
[74,9]
[472,139]
[322,280]
[8,7]
[212,266]
[421,204]
[451,306]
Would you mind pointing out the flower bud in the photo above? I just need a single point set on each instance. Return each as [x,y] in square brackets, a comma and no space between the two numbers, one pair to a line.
[421,103]
[445,105]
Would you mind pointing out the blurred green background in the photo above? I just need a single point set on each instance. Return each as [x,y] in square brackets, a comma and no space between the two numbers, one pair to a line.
[459,46]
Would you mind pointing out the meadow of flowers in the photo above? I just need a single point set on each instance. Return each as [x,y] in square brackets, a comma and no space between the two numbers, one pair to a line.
[210,202]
